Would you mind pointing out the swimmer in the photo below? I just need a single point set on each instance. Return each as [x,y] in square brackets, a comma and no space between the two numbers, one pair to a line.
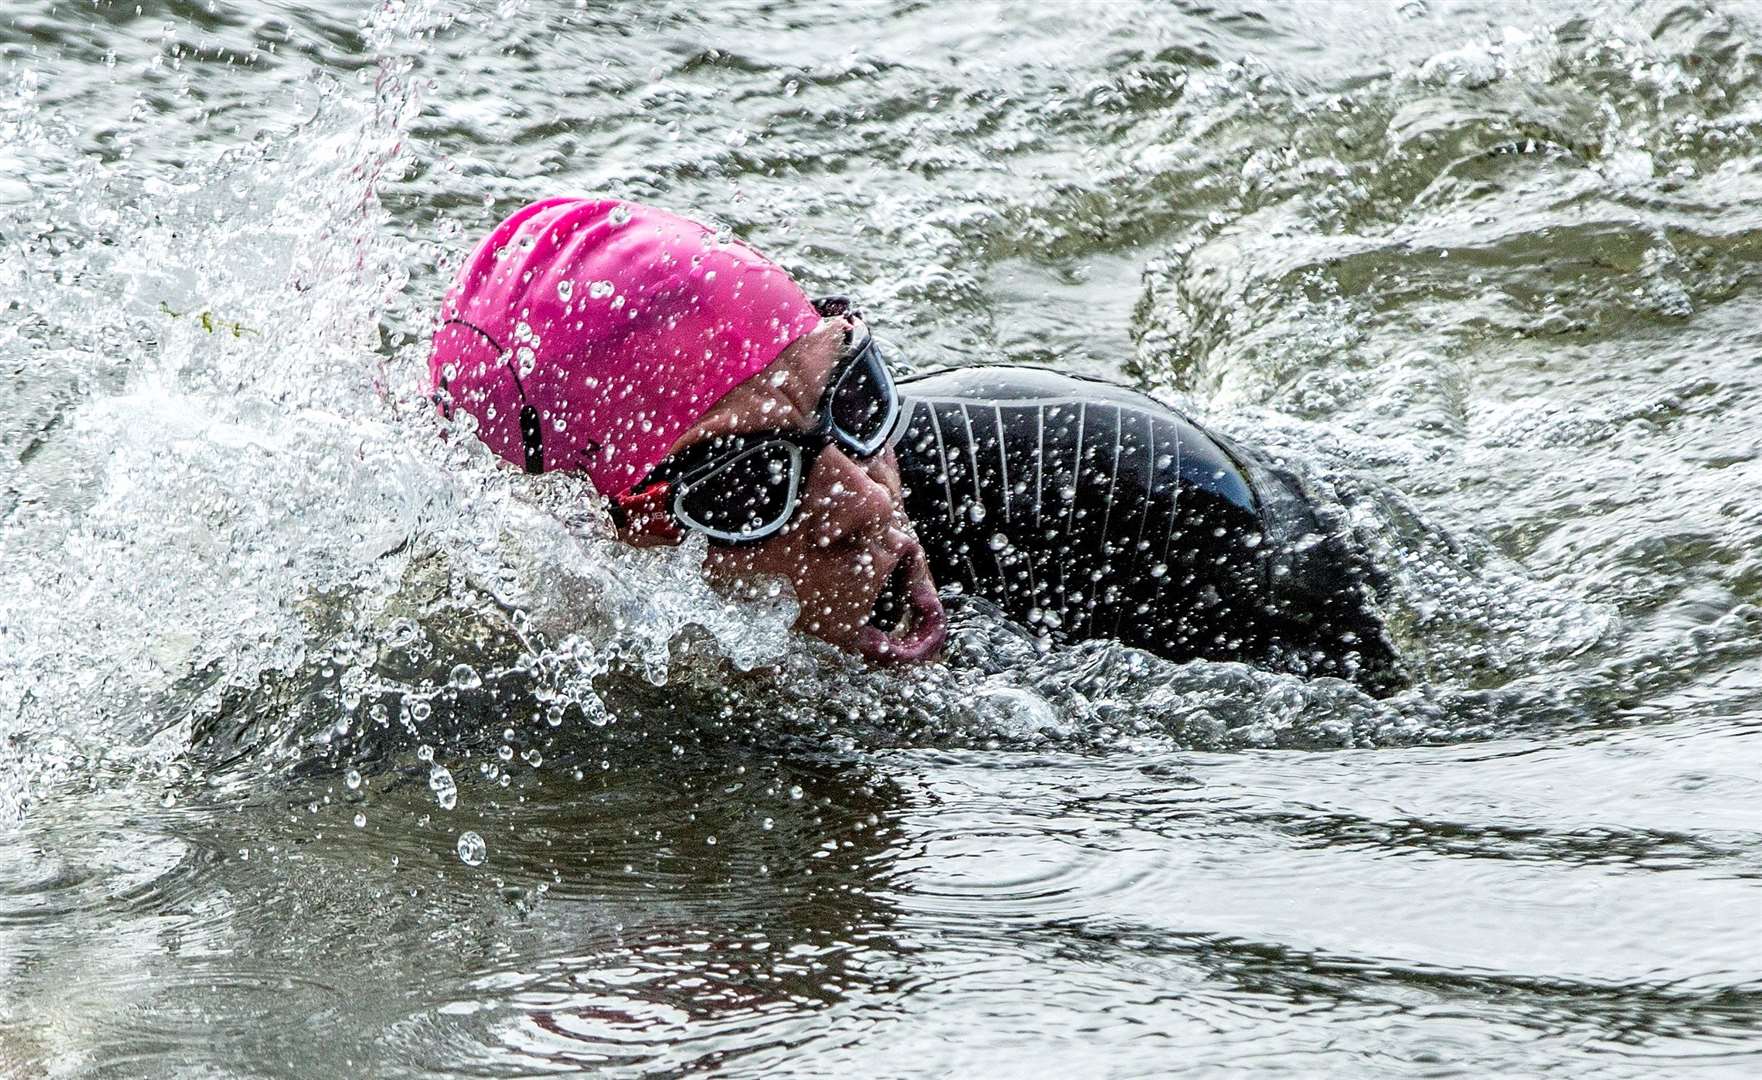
[701,391]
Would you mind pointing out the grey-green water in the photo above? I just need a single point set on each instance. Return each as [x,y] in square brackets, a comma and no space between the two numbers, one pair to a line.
[329,748]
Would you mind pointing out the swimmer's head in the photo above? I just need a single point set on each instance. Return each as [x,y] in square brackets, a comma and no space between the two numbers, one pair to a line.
[628,343]
[588,335]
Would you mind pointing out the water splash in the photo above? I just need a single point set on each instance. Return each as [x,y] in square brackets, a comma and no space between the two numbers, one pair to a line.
[237,478]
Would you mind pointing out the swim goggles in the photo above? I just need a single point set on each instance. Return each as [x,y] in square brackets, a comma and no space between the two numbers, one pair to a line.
[745,488]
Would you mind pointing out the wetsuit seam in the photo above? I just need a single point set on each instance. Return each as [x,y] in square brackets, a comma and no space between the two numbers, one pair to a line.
[1174,518]
[948,492]
[1024,557]
[1147,503]
[1070,514]
[978,489]
[1039,491]
[1003,466]
[1113,483]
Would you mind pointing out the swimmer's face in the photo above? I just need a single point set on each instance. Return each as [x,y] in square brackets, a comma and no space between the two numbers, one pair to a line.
[850,553]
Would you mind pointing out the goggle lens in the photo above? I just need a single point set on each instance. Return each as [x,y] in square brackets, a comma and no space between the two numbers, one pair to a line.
[862,405]
[748,497]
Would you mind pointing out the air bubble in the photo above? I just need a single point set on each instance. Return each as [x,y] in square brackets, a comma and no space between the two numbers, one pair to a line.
[446,791]
[464,677]
[472,850]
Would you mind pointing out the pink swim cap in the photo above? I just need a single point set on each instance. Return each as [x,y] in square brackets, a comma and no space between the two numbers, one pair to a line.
[589,335]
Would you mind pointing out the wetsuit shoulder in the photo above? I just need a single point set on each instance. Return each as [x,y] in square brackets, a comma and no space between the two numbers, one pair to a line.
[1038,394]
[1088,509]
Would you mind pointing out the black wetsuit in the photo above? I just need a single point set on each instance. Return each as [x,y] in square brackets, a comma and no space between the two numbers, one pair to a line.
[1086,510]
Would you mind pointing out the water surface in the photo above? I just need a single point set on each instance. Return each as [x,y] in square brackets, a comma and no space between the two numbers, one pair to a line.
[328,747]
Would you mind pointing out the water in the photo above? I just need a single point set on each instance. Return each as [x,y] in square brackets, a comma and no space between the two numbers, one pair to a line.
[327,747]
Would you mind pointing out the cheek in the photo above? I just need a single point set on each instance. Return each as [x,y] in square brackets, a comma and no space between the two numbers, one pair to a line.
[779,556]
[815,575]
[884,470]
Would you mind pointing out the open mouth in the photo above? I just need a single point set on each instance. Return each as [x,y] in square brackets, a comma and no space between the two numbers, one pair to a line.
[907,622]
[893,604]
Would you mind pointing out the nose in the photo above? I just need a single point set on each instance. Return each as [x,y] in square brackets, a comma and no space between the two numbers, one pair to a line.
[844,500]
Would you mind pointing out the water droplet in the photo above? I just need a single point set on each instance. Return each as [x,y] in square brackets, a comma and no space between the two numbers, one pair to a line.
[595,711]
[790,88]
[464,677]
[446,791]
[360,821]
[767,824]
[999,541]
[619,215]
[565,289]
[710,840]
[353,779]
[472,849]
[599,290]
[795,791]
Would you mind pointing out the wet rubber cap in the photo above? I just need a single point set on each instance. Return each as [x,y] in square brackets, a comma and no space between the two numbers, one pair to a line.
[588,335]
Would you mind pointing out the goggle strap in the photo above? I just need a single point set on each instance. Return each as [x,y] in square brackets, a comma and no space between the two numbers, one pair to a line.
[532,439]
